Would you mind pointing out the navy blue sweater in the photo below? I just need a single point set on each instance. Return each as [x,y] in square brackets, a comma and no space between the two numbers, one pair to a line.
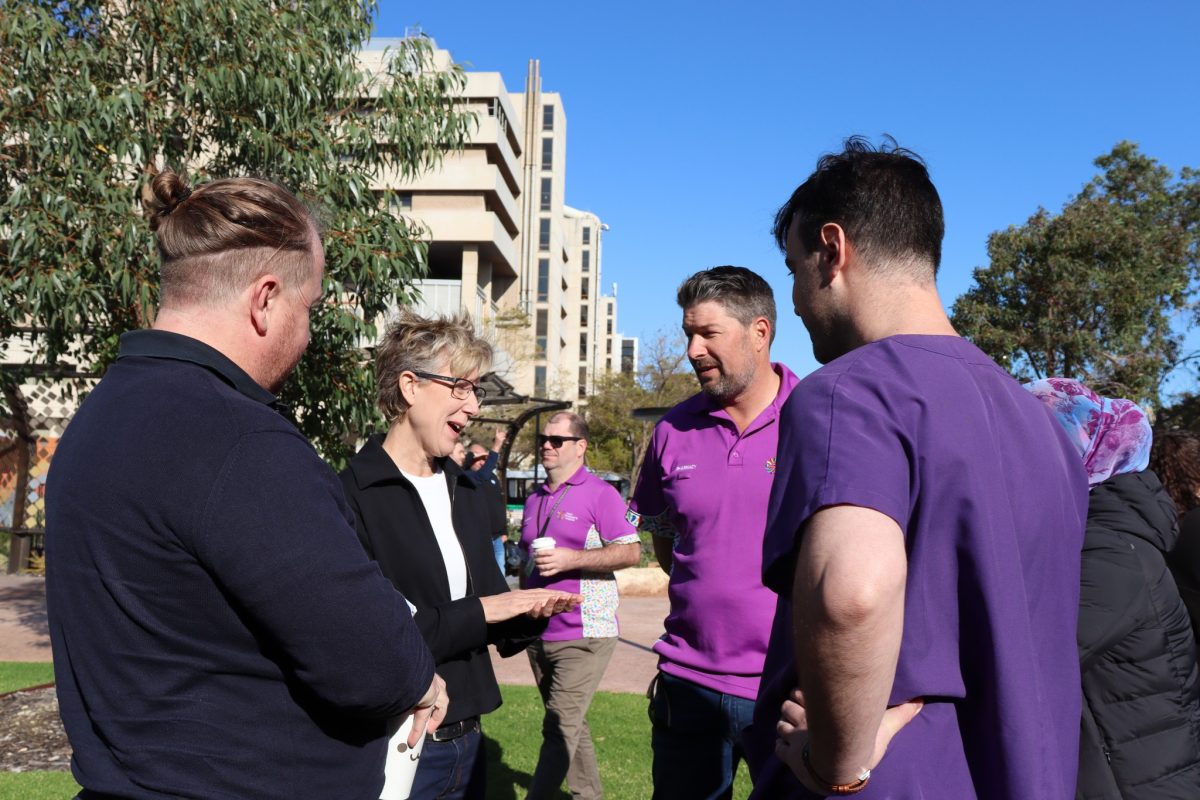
[218,631]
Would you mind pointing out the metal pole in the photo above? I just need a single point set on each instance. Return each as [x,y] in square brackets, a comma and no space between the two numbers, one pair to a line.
[19,547]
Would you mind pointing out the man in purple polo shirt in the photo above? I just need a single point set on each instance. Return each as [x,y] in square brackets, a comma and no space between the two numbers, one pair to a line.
[924,530]
[703,493]
[586,519]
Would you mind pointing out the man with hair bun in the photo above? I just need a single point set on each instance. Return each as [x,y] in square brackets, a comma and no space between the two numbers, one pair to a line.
[924,529]
[702,493]
[217,629]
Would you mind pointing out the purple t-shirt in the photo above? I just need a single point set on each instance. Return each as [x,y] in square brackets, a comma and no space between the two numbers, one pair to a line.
[583,513]
[713,483]
[992,500]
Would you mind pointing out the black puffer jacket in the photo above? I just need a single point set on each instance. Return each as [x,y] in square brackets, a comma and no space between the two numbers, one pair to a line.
[1140,735]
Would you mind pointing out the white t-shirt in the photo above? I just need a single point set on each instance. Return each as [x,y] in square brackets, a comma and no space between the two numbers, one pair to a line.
[435,496]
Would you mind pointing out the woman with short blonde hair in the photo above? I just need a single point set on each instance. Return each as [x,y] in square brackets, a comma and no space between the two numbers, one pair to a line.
[417,344]
[430,528]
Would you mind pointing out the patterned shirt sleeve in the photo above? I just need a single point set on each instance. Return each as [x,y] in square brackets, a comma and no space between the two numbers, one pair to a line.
[648,508]
[610,518]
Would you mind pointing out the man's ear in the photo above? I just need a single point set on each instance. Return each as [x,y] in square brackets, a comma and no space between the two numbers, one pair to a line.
[835,251]
[264,293]
[761,328]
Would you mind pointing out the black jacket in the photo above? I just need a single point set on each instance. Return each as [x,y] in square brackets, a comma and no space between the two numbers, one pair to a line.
[485,478]
[396,532]
[1140,735]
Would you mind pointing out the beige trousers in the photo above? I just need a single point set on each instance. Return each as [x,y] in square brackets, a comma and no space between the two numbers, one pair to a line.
[567,674]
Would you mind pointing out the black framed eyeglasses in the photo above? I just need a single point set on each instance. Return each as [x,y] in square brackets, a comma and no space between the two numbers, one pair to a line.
[460,388]
[556,441]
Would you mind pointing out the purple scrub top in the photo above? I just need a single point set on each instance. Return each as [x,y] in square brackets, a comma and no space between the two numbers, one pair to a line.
[992,501]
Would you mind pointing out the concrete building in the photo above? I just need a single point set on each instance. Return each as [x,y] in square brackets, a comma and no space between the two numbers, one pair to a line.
[469,206]
[503,243]
[620,351]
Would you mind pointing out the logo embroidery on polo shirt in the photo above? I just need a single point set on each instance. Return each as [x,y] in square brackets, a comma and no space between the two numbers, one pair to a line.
[683,467]
[632,517]
[769,466]
[567,516]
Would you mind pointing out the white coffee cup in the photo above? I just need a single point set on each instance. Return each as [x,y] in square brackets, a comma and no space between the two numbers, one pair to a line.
[400,768]
[540,543]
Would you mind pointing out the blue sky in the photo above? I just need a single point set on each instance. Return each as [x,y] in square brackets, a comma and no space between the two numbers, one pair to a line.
[688,124]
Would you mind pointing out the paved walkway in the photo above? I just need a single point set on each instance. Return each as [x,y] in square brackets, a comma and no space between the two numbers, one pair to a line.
[632,665]
[24,636]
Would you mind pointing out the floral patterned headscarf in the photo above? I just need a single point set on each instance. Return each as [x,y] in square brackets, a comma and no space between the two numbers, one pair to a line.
[1113,436]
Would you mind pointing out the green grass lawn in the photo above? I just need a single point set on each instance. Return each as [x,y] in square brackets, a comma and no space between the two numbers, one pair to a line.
[37,786]
[16,675]
[620,730]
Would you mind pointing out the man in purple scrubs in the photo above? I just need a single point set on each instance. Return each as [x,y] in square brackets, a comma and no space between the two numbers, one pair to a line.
[924,530]
[703,492]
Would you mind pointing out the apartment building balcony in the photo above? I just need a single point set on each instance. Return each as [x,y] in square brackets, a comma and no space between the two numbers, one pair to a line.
[460,176]
[486,92]
[495,140]
[478,227]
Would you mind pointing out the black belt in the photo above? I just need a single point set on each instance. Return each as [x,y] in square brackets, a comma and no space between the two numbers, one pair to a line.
[454,730]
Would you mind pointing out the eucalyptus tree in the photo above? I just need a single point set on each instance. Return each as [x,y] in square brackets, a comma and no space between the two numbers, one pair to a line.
[97,96]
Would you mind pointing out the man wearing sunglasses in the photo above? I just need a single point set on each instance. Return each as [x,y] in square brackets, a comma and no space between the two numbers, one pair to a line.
[586,518]
[702,492]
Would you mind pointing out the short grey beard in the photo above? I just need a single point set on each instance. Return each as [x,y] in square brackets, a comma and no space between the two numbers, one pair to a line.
[727,388]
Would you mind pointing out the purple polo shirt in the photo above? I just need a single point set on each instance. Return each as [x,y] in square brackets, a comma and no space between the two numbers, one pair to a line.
[992,501]
[583,513]
[713,483]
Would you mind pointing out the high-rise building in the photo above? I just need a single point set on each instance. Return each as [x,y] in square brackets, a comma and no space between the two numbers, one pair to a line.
[503,243]
[620,352]
[469,205]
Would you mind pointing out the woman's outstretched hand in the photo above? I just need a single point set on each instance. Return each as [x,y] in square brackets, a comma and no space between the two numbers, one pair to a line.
[536,603]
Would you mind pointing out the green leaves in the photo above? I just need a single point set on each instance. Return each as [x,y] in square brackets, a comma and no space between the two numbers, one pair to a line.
[664,379]
[1097,292]
[97,95]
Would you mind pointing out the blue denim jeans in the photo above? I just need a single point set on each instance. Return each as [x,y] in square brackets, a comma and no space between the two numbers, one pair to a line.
[498,549]
[453,770]
[696,739]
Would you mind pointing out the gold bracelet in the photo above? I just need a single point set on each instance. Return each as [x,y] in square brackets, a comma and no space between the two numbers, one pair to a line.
[834,788]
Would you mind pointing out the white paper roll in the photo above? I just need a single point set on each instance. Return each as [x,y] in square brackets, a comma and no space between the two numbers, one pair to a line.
[401,765]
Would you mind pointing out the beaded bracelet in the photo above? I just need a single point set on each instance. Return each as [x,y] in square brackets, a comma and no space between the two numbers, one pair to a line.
[834,788]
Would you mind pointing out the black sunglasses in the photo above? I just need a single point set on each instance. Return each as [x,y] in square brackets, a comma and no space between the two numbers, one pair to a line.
[459,387]
[556,441]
